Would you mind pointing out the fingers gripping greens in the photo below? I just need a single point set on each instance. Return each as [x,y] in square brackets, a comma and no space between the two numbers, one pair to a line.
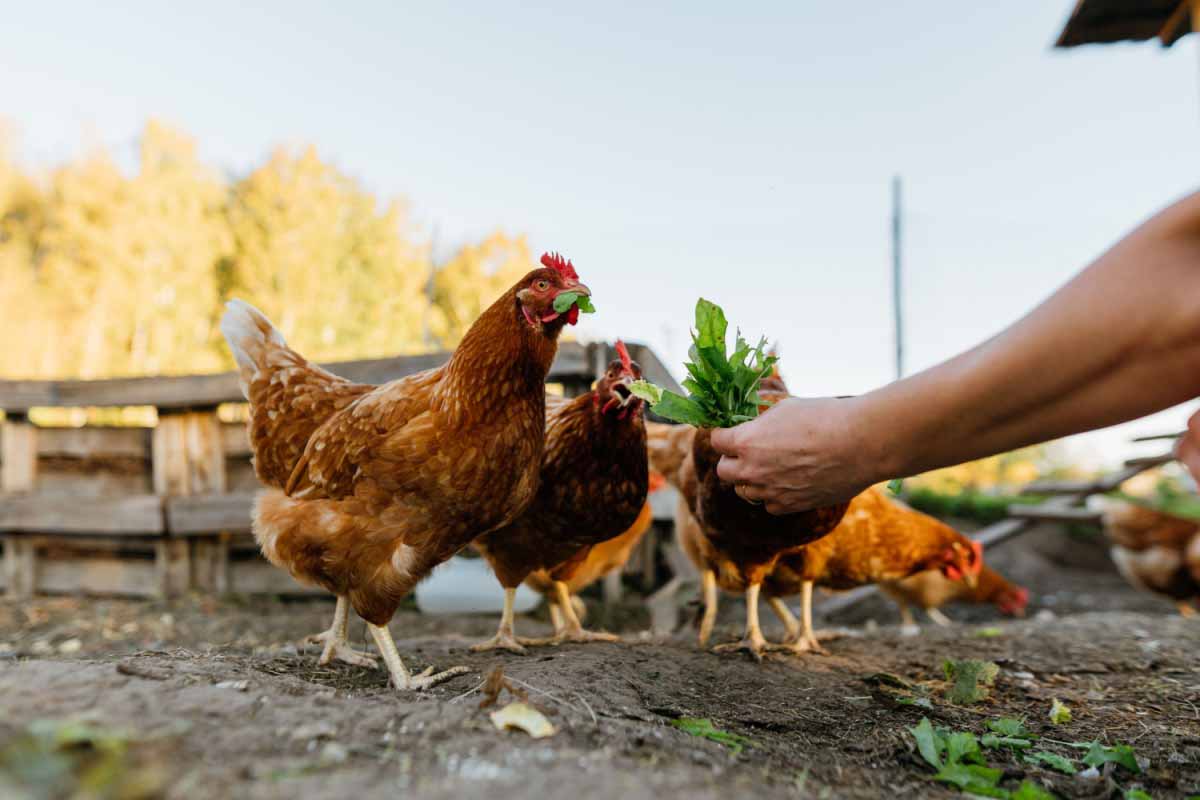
[722,390]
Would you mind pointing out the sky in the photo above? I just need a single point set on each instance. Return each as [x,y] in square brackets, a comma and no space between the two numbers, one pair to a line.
[739,151]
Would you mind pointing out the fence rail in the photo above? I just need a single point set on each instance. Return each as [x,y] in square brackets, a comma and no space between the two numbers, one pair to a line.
[165,510]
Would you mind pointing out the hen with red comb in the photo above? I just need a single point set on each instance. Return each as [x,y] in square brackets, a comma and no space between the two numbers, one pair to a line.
[594,480]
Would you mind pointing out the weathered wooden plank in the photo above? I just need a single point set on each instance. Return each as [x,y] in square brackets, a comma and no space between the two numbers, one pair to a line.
[18,476]
[201,391]
[207,514]
[90,442]
[98,575]
[258,576]
[136,515]
[235,440]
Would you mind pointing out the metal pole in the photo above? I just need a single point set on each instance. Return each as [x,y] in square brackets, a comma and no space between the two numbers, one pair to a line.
[897,275]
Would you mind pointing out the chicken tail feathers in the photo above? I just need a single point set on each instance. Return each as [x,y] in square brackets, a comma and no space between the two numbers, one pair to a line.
[251,336]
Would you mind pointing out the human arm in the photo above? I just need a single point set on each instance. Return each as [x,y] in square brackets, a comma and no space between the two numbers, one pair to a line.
[1119,341]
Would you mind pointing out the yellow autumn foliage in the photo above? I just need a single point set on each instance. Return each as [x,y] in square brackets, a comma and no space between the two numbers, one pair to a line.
[110,271]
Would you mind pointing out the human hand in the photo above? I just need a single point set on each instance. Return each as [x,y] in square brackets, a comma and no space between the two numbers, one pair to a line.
[799,455]
[1188,449]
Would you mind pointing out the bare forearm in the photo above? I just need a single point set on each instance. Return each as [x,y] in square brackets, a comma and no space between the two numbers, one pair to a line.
[1119,341]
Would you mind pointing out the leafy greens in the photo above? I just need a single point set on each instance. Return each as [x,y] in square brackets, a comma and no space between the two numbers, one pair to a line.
[722,388]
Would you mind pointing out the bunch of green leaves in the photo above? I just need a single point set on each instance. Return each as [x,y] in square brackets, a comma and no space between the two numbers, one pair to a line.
[722,387]
[958,759]
[567,299]
[705,729]
[970,681]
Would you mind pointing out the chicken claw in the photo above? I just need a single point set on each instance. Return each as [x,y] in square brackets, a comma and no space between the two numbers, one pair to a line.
[334,639]
[503,641]
[753,641]
[401,678]
[504,638]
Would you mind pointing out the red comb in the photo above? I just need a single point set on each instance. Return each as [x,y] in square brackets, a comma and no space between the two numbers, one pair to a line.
[977,567]
[560,265]
[623,354]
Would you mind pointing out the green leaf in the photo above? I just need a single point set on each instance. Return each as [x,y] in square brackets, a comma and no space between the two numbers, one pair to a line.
[928,744]
[988,632]
[1007,726]
[564,301]
[963,747]
[973,778]
[1059,713]
[895,485]
[1121,754]
[705,729]
[970,680]
[647,391]
[1052,760]
[682,409]
[1137,794]
[1028,790]
[711,326]
[993,741]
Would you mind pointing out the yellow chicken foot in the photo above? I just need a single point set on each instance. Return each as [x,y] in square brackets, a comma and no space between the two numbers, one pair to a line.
[401,678]
[807,641]
[753,641]
[939,618]
[1186,609]
[573,630]
[334,639]
[790,623]
[709,583]
[504,638]
[556,618]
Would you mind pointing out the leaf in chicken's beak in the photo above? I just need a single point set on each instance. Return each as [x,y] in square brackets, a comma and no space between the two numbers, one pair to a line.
[647,391]
[567,299]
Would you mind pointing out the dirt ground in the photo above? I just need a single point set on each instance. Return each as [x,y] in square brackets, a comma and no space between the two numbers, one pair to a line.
[208,699]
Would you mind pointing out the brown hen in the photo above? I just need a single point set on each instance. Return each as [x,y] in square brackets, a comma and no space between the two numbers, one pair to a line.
[376,485]
[594,479]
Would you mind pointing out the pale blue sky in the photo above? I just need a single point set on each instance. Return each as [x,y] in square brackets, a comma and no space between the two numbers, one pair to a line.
[739,151]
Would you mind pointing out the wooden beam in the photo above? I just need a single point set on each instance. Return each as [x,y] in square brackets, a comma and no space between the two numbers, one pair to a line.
[206,391]
[90,443]
[134,515]
[206,515]
[1039,512]
[18,477]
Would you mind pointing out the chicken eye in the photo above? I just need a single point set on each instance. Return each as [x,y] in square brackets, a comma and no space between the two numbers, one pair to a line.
[542,285]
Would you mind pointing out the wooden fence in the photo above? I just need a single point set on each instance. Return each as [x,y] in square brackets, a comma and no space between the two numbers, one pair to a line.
[164,510]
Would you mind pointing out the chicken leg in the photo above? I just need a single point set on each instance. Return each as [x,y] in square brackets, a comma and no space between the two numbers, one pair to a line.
[573,630]
[334,639]
[939,618]
[790,623]
[753,641]
[807,641]
[504,638]
[709,582]
[401,678]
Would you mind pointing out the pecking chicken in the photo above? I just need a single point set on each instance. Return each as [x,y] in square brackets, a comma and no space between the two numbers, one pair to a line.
[373,486]
[929,590]
[594,480]
[878,540]
[603,559]
[1153,551]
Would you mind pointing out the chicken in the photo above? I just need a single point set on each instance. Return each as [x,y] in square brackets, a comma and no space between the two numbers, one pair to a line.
[603,559]
[929,590]
[1153,551]
[373,486]
[594,480]
[741,543]
[878,540]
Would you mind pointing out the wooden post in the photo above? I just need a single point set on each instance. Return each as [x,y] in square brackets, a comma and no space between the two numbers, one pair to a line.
[18,474]
[188,459]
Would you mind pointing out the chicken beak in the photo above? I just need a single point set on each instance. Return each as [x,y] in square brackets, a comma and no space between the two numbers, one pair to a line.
[971,580]
[621,390]
[577,288]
